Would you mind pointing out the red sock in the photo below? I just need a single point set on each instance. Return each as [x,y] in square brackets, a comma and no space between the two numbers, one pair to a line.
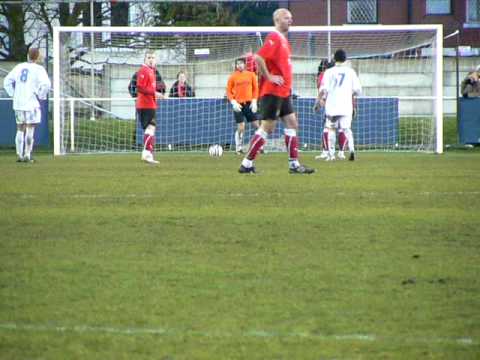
[342,140]
[255,145]
[292,146]
[325,140]
[149,142]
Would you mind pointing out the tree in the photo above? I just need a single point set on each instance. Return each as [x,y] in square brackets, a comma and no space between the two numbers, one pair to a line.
[119,13]
[254,13]
[229,13]
[193,14]
[12,34]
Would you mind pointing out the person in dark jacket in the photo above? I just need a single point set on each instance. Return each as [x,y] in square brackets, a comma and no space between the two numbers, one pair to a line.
[470,87]
[181,88]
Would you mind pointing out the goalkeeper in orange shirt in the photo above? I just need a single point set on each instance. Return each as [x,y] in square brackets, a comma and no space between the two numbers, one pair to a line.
[242,92]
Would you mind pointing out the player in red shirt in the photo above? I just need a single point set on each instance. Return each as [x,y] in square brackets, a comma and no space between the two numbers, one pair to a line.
[146,104]
[275,65]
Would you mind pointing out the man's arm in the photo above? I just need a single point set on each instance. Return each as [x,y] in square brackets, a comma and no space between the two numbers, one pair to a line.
[230,88]
[44,85]
[253,105]
[320,101]
[276,79]
[354,106]
[255,89]
[357,90]
[9,82]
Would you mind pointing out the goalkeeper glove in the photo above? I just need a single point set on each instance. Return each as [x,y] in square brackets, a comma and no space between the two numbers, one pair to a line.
[253,106]
[236,106]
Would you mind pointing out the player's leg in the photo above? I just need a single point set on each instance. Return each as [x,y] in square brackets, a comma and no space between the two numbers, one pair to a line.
[240,121]
[32,119]
[253,118]
[342,142]
[143,123]
[343,123]
[147,120]
[20,135]
[270,106]
[290,121]
[325,144]
[329,134]
[346,127]
[29,139]
[325,141]
[256,144]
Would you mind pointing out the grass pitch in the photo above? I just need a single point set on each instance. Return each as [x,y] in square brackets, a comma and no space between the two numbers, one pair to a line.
[104,257]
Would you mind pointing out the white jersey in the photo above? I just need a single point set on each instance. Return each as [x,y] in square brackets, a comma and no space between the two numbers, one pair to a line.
[27,83]
[340,83]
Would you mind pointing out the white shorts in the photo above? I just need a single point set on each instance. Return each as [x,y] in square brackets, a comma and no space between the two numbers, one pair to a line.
[340,121]
[28,117]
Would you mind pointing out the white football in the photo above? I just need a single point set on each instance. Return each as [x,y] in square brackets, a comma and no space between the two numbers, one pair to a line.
[215,150]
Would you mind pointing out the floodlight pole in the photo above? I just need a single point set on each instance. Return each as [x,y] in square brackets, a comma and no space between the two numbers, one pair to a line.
[92,45]
[457,81]
[329,22]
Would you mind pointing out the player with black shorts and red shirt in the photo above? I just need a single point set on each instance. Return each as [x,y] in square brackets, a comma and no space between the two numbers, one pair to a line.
[146,104]
[275,65]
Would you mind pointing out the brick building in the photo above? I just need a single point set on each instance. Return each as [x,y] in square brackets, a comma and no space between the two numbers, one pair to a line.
[463,15]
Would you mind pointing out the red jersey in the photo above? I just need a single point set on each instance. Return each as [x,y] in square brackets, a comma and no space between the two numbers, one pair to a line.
[276,52]
[146,86]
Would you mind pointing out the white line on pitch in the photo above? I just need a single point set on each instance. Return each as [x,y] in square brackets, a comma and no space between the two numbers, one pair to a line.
[148,196]
[225,334]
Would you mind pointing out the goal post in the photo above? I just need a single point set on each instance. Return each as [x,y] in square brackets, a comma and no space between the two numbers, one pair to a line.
[400,68]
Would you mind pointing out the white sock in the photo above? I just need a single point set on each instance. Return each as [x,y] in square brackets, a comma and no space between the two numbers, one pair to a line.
[29,141]
[247,163]
[332,139]
[19,142]
[349,135]
[293,163]
[238,140]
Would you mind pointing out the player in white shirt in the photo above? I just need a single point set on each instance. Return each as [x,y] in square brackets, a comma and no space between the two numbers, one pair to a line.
[338,89]
[27,83]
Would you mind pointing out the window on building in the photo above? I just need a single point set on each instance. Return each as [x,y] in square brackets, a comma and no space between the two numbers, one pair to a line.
[439,7]
[362,11]
[473,12]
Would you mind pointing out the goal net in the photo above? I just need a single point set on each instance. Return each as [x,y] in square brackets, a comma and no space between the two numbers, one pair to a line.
[400,68]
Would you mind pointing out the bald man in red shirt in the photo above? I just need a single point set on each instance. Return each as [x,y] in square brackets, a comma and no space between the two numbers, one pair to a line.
[275,65]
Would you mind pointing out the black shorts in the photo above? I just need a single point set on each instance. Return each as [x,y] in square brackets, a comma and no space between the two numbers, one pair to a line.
[245,114]
[146,117]
[272,107]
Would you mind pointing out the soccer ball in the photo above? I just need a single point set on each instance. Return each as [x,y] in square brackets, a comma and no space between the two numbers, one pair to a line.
[215,150]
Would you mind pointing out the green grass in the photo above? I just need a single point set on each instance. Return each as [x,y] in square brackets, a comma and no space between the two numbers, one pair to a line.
[104,257]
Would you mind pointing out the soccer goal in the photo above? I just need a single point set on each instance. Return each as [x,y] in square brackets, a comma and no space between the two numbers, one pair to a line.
[400,68]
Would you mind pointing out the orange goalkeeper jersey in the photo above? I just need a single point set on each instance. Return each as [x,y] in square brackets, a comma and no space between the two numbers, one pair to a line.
[242,86]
